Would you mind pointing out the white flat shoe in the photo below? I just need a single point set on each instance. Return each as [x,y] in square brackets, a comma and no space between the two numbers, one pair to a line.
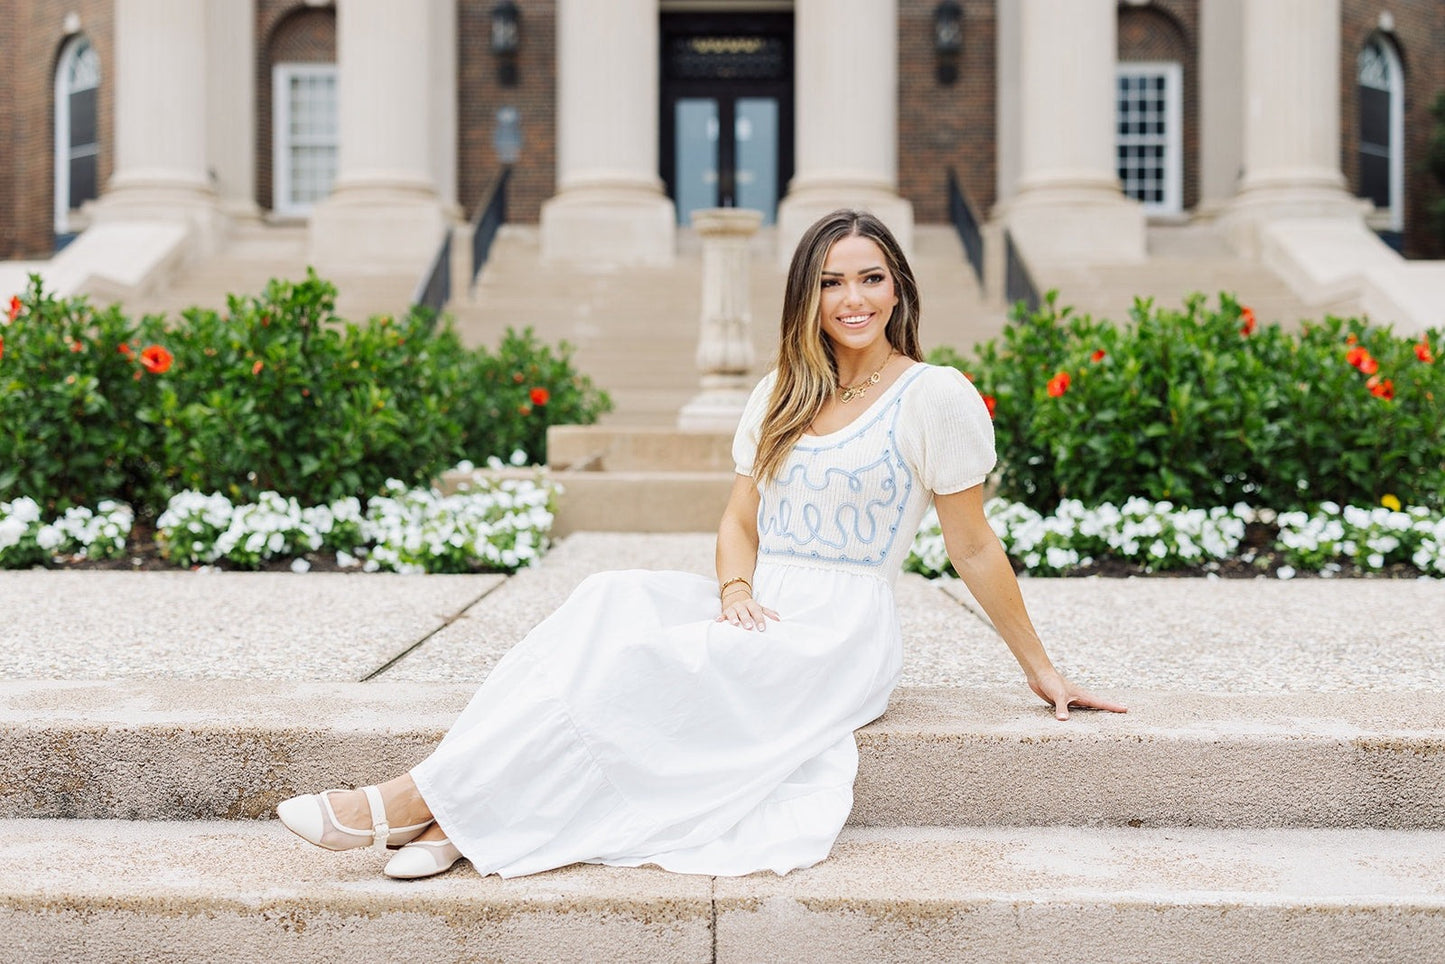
[422,858]
[311,818]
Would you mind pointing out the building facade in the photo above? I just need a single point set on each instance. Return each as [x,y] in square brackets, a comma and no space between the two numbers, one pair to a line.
[378,124]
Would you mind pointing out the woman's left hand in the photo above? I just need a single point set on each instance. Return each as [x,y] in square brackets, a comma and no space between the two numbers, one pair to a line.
[1052,688]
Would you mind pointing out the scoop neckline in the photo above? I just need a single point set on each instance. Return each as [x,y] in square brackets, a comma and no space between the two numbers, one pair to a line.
[898,382]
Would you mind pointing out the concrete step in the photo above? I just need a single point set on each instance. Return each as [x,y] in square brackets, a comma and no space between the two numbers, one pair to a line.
[950,757]
[104,891]
[640,501]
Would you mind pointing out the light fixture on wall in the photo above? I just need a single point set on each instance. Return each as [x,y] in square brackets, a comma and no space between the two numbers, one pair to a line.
[506,38]
[947,39]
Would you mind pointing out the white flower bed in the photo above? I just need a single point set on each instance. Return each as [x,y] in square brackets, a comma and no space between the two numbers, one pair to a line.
[491,523]
[1158,536]
[77,535]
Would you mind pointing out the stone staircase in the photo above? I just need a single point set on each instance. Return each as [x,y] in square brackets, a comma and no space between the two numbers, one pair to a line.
[635,330]
[252,256]
[1274,794]
[1183,259]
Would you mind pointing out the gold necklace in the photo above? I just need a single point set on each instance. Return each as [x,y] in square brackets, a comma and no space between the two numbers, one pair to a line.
[847,394]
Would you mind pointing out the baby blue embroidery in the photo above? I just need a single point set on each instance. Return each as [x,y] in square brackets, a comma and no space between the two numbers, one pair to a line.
[792,521]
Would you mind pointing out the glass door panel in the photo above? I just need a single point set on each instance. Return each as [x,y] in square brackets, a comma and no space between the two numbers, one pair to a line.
[696,123]
[756,149]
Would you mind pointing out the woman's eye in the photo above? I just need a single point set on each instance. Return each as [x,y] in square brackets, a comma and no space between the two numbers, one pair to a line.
[829,282]
[874,279]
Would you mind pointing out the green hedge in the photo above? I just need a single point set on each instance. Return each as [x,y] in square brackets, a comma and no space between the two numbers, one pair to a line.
[1203,407]
[273,394]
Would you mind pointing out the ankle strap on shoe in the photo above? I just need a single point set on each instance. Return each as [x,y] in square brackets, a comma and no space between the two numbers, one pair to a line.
[380,829]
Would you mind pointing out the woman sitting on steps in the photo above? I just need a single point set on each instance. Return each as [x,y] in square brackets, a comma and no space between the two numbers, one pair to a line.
[707,727]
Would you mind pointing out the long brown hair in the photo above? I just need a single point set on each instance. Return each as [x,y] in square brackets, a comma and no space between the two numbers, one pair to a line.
[807,370]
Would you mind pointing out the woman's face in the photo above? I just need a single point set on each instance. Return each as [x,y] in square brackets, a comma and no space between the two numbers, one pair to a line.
[857,296]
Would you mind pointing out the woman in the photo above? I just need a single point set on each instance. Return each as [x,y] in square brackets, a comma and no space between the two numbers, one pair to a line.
[707,727]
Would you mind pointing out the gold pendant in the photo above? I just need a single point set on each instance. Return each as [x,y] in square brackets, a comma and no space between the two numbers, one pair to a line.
[846,395]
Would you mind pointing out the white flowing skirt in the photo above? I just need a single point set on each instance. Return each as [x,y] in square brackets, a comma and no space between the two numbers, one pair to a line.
[631,727]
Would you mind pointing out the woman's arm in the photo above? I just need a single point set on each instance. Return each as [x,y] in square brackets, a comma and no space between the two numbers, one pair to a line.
[980,560]
[737,556]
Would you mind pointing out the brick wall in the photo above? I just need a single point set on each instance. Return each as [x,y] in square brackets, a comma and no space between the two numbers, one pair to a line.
[1168,30]
[479,95]
[942,126]
[34,38]
[1419,38]
[286,32]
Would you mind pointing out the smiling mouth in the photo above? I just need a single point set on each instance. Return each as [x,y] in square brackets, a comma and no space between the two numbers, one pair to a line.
[854,321]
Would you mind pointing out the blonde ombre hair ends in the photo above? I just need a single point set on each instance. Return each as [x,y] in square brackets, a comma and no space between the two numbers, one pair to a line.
[807,370]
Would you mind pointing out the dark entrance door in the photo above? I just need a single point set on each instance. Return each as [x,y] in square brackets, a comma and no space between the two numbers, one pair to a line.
[727,110]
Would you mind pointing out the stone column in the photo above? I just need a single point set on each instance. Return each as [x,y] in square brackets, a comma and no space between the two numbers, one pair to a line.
[1067,205]
[385,209]
[1291,149]
[1221,102]
[160,117]
[846,118]
[725,345]
[610,206]
[231,99]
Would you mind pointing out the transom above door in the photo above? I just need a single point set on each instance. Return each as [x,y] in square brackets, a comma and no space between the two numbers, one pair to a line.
[727,111]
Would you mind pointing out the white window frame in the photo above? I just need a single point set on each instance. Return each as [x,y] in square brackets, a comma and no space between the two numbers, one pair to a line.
[1393,217]
[66,220]
[1173,73]
[281,144]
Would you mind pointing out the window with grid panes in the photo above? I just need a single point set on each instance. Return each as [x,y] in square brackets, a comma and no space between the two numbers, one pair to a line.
[306,138]
[1148,135]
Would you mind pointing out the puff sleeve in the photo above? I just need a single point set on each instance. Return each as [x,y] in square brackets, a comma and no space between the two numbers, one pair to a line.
[945,432]
[745,440]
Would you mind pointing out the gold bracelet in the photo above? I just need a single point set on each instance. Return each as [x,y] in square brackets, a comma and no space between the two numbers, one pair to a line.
[722,590]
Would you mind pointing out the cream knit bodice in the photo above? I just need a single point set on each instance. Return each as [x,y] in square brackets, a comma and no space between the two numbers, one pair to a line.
[852,499]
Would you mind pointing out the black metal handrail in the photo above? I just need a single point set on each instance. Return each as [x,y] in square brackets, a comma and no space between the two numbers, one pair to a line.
[1018,284]
[489,219]
[965,222]
[435,288]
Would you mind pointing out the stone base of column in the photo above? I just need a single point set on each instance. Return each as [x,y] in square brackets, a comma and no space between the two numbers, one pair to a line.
[1076,225]
[1301,194]
[141,199]
[385,228]
[798,211]
[718,406]
[609,224]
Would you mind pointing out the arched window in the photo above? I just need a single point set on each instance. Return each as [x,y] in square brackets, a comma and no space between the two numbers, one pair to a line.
[1381,98]
[77,139]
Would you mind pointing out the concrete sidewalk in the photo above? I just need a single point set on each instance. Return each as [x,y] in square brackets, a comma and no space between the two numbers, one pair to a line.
[1277,790]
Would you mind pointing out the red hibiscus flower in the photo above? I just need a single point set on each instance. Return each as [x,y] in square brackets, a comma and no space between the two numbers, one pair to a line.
[540,396]
[256,368]
[156,360]
[76,348]
[1246,315]
[124,349]
[1059,384]
[1362,359]
[2,347]
[990,403]
[1381,387]
[1097,356]
[1422,351]
[14,307]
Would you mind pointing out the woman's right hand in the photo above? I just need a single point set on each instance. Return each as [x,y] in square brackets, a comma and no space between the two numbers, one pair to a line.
[743,610]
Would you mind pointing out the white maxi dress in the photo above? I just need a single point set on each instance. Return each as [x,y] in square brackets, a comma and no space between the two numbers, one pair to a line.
[631,727]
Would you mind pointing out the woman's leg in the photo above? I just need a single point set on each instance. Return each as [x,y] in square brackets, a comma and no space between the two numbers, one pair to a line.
[404,804]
